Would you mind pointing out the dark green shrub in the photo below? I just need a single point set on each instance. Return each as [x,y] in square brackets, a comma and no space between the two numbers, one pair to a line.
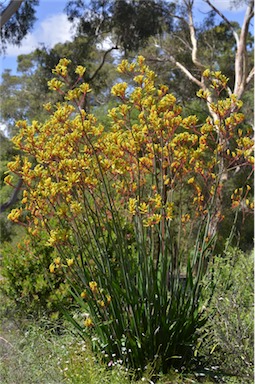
[228,341]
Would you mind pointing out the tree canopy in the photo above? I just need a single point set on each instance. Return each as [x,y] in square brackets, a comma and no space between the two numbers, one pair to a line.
[17,19]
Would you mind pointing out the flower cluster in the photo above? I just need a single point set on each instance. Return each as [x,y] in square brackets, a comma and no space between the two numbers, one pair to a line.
[149,157]
[99,299]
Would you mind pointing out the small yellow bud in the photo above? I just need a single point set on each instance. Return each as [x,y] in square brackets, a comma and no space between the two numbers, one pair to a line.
[88,322]
[70,262]
[84,294]
[80,70]
[101,303]
[132,206]
[93,286]
[57,261]
[143,208]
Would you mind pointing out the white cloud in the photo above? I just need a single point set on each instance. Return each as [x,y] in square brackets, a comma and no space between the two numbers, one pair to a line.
[56,29]
[50,31]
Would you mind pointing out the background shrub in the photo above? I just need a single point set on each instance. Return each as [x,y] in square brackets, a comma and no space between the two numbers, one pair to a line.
[27,281]
[228,342]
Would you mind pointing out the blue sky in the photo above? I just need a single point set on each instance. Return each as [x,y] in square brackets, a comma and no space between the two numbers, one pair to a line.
[52,27]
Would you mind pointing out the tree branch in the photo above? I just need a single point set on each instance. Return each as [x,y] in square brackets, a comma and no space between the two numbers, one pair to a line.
[178,17]
[13,198]
[181,67]
[241,68]
[189,5]
[224,18]
[250,76]
[188,74]
[241,71]
[102,63]
[9,11]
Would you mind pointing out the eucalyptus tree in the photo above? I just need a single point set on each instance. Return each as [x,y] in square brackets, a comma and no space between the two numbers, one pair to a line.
[16,20]
[132,22]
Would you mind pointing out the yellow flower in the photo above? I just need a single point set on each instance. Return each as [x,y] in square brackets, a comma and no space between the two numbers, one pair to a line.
[235,204]
[75,207]
[88,322]
[80,70]
[8,180]
[158,201]
[143,208]
[61,67]
[152,220]
[55,84]
[93,286]
[52,268]
[166,180]
[70,262]
[84,294]
[57,261]
[119,89]
[15,214]
[101,303]
[84,87]
[24,200]
[185,218]
[169,211]
[132,206]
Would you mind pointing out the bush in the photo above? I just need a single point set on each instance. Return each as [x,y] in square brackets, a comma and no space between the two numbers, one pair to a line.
[27,281]
[229,337]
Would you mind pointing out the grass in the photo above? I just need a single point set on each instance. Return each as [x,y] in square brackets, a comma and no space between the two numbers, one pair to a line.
[37,354]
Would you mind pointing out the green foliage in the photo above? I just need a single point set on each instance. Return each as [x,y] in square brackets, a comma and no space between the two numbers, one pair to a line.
[131,23]
[19,24]
[26,279]
[228,340]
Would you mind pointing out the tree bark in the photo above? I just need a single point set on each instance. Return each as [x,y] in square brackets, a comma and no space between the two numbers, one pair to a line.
[13,198]
[241,70]
[9,11]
